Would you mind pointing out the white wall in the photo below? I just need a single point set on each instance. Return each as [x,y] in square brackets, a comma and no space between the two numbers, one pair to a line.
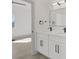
[22,20]
[41,12]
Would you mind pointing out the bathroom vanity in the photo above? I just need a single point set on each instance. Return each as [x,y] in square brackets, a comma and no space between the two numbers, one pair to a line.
[50,28]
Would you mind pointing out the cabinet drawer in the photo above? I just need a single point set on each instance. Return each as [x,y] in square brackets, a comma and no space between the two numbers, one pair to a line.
[57,38]
[42,35]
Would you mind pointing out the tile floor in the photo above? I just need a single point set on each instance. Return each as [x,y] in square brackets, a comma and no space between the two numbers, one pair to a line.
[22,49]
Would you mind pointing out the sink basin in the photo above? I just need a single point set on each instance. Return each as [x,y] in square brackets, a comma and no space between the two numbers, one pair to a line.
[58,30]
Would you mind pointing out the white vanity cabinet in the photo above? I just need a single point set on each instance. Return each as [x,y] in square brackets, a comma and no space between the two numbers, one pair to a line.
[57,47]
[51,45]
[50,28]
[42,43]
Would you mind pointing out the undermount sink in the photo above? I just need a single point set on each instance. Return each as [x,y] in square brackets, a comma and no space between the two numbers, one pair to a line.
[58,30]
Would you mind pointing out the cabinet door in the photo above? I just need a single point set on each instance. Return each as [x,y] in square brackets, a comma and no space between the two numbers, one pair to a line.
[42,44]
[57,48]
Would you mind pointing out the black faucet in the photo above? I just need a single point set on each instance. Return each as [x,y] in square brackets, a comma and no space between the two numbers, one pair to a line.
[64,30]
[50,28]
